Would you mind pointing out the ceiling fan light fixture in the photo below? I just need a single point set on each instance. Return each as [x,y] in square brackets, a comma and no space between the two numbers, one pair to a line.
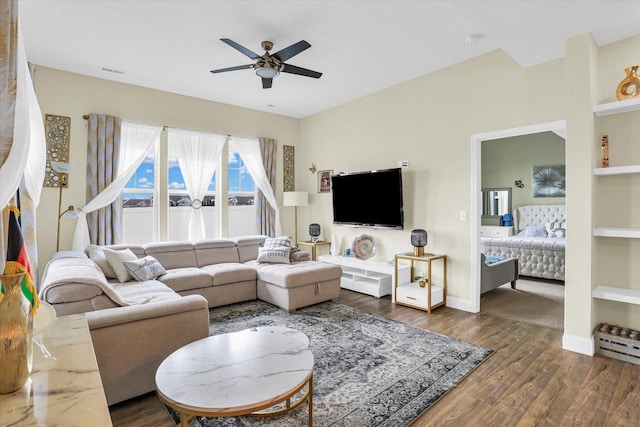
[267,72]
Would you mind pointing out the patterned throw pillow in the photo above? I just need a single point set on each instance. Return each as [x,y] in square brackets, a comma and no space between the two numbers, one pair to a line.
[277,242]
[147,268]
[116,260]
[492,259]
[276,255]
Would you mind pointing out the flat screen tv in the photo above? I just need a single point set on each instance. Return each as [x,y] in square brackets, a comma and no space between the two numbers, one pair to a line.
[368,199]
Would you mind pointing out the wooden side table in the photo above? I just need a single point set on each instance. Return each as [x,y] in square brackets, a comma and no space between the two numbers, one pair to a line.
[314,247]
[411,294]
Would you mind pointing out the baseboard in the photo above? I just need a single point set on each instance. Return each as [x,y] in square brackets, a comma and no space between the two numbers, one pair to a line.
[460,304]
[578,344]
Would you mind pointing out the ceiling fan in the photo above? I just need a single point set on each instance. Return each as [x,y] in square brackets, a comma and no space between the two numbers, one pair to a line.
[270,65]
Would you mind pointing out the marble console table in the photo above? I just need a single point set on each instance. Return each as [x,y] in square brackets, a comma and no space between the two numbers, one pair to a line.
[64,390]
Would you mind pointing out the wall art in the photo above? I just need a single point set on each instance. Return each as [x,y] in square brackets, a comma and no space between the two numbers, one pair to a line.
[289,155]
[57,131]
[549,181]
[324,181]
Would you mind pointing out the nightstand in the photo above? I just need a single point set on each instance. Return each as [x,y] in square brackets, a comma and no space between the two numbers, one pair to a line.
[495,231]
[431,295]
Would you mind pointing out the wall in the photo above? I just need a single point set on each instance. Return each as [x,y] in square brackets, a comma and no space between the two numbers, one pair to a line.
[429,121]
[73,95]
[508,159]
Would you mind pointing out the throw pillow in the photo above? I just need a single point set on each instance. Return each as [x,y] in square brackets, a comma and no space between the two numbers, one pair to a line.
[277,242]
[116,260]
[96,254]
[277,255]
[146,268]
[490,259]
[558,232]
[535,231]
[558,223]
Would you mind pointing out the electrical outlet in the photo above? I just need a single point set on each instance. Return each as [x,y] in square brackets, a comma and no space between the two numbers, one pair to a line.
[403,164]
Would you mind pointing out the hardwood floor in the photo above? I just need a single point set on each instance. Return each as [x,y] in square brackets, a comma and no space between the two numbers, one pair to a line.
[528,381]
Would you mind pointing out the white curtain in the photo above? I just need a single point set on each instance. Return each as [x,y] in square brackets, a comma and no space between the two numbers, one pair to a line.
[27,157]
[198,154]
[136,141]
[249,150]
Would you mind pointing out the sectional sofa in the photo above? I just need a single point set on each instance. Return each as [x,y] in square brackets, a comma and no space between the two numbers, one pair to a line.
[158,300]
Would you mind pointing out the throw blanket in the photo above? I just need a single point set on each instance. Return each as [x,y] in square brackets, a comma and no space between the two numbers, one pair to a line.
[75,268]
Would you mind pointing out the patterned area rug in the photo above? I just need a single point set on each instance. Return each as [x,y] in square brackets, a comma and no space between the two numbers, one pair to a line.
[369,370]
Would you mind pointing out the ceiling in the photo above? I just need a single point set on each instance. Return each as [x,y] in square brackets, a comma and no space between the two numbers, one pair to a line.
[360,46]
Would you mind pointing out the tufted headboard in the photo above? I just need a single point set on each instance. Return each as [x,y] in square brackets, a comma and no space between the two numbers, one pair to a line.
[524,216]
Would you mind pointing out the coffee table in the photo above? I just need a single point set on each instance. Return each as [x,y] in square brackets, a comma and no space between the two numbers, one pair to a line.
[257,371]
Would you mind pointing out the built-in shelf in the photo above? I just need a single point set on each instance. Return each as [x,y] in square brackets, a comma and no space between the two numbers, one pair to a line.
[617,107]
[611,293]
[629,233]
[617,170]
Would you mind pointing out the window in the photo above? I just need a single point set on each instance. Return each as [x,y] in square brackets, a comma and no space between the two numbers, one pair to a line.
[138,198]
[141,214]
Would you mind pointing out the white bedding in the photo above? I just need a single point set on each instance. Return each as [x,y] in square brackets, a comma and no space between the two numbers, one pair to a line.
[537,256]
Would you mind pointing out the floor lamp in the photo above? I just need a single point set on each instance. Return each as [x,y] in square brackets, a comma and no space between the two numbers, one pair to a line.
[63,169]
[295,198]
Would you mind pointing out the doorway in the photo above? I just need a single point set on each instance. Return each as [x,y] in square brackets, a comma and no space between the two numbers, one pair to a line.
[476,186]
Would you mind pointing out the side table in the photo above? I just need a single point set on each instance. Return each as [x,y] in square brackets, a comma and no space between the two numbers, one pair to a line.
[314,247]
[423,298]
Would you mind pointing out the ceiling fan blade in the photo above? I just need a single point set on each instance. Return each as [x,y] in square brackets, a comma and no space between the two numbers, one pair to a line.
[239,67]
[292,69]
[241,48]
[291,51]
[266,83]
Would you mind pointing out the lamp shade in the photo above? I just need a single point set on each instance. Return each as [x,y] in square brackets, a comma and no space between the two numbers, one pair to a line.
[418,241]
[295,198]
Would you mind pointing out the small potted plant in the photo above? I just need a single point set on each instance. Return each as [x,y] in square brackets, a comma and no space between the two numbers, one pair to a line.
[422,279]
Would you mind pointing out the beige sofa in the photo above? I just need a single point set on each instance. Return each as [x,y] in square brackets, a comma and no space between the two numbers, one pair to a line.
[136,324]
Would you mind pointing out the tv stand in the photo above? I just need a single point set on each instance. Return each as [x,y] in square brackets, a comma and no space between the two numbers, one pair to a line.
[373,278]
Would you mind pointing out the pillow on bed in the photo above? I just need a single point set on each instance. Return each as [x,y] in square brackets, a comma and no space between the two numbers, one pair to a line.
[558,232]
[535,231]
[558,223]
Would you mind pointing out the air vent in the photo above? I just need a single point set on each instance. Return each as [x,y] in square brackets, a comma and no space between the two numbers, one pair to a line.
[111,70]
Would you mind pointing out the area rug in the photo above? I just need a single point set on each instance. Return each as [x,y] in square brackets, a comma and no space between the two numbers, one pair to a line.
[369,370]
[537,302]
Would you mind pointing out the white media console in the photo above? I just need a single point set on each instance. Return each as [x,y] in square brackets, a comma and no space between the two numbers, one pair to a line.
[373,278]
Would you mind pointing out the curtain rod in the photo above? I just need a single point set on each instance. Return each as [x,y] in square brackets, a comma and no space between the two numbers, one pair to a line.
[164,127]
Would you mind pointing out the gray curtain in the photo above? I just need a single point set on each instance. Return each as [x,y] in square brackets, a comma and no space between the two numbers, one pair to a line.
[103,154]
[265,215]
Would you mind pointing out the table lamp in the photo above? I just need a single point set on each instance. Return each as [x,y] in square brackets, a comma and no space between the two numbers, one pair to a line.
[419,241]
[314,232]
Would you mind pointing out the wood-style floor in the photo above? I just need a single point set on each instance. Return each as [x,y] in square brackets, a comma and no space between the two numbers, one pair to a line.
[528,381]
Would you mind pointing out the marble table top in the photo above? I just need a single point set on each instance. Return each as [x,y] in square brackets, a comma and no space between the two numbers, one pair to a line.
[64,388]
[235,372]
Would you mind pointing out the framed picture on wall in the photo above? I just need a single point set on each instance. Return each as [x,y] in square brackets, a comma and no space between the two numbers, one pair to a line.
[549,181]
[324,181]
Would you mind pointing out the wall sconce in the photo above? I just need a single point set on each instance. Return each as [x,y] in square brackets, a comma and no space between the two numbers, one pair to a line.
[312,169]
[519,183]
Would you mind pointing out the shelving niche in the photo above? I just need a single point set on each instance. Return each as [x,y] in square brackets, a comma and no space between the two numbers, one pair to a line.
[618,293]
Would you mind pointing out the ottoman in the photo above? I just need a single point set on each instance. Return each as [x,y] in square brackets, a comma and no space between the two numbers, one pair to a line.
[299,284]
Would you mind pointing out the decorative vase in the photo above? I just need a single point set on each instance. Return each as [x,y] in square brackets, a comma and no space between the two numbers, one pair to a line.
[335,246]
[16,331]
[629,87]
[422,283]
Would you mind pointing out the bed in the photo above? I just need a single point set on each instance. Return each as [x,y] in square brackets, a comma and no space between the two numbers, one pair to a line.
[538,241]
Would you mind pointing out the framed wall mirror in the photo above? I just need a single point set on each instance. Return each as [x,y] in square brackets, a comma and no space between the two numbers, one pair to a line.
[496,202]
